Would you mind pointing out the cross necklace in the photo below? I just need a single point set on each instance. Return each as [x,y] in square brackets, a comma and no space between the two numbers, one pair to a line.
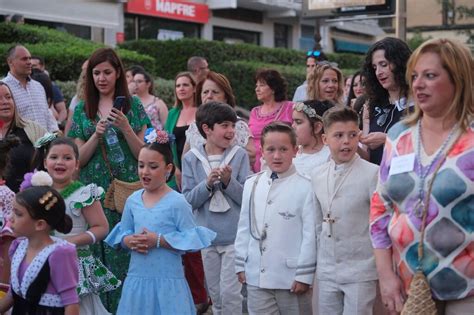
[328,219]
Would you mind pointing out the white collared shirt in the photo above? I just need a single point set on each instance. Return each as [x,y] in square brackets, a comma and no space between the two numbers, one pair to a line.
[31,102]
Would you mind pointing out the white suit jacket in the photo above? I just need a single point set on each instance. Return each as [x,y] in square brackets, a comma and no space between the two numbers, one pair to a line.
[285,209]
[347,256]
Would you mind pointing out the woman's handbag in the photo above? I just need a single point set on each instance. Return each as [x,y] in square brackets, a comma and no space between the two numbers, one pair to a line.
[119,190]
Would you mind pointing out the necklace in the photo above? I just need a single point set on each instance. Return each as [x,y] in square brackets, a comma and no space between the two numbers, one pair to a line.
[70,189]
[328,217]
[423,174]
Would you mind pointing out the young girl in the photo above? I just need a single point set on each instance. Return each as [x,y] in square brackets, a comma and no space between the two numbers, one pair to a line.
[6,207]
[308,126]
[89,223]
[44,270]
[157,226]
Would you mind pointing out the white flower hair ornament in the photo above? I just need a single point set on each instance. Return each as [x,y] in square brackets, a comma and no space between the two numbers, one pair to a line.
[45,140]
[308,110]
[41,178]
[160,136]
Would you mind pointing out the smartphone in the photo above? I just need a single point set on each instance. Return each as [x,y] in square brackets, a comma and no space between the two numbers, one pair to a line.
[119,102]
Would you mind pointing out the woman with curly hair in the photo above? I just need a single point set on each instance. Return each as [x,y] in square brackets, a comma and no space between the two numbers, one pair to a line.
[387,91]
[270,89]
[326,83]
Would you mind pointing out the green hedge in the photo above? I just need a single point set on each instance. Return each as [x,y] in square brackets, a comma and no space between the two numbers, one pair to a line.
[62,52]
[171,56]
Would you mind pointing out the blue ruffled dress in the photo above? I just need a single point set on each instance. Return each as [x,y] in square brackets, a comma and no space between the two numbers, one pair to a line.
[155,282]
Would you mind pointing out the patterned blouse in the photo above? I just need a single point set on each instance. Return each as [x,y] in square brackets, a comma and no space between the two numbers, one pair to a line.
[395,220]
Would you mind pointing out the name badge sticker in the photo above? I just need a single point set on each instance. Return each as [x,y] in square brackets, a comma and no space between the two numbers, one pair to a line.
[402,164]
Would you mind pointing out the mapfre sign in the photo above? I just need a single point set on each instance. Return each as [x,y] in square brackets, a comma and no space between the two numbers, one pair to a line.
[176,10]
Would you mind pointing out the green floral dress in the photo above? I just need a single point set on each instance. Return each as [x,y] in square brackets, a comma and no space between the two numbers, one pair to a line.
[95,171]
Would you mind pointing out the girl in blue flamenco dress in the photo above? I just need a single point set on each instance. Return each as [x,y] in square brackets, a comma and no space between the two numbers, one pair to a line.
[157,226]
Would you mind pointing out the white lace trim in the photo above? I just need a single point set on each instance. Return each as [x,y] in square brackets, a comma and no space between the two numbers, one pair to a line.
[32,271]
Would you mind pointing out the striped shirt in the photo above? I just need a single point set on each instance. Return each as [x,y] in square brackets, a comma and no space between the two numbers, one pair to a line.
[31,102]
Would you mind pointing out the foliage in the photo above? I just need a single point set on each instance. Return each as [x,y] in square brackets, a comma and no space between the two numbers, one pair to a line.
[62,52]
[416,40]
[171,56]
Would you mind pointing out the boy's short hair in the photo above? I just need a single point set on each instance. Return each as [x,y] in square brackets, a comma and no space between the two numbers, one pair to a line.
[278,126]
[339,114]
[214,113]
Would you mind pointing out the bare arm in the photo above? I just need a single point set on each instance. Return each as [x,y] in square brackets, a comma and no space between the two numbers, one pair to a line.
[163,110]
[61,110]
[72,309]
[98,225]
[391,289]
[6,303]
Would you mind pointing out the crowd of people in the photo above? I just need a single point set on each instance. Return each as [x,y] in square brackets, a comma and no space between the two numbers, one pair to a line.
[336,202]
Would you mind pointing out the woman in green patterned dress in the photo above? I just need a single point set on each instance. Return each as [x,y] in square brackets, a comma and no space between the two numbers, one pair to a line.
[105,80]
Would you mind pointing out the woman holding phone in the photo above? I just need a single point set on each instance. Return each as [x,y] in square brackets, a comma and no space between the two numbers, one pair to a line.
[107,104]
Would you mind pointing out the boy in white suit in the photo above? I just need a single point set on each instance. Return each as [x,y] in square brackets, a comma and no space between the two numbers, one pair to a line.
[275,247]
[346,273]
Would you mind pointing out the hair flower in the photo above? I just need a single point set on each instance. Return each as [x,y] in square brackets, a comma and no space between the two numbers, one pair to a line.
[311,112]
[41,178]
[44,140]
[159,136]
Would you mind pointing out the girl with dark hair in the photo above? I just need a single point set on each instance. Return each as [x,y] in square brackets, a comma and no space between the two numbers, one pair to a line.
[44,268]
[308,126]
[356,89]
[154,106]
[270,88]
[157,227]
[89,223]
[105,80]
[387,91]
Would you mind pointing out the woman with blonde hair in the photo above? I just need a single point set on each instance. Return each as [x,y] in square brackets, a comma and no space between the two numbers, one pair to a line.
[326,83]
[425,195]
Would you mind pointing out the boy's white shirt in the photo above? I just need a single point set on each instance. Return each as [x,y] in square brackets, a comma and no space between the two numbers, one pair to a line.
[285,208]
[346,256]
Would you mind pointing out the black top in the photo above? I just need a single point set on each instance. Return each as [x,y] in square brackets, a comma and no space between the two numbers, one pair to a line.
[180,134]
[20,160]
[381,120]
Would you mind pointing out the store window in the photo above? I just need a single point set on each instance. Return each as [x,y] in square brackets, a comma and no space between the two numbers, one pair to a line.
[282,35]
[233,36]
[155,28]
[76,30]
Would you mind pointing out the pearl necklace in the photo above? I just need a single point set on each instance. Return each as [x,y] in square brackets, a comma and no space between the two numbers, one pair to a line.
[424,174]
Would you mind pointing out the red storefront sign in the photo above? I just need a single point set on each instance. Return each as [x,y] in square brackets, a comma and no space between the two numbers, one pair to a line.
[170,9]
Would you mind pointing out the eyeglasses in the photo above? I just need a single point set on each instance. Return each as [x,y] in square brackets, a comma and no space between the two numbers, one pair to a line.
[313,53]
[382,115]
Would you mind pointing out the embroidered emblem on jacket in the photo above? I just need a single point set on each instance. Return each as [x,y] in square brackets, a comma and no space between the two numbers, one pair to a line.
[286,215]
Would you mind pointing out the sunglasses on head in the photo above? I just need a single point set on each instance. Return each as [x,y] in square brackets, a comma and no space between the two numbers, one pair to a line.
[313,53]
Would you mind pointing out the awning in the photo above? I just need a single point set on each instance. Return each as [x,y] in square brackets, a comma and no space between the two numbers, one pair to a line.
[347,46]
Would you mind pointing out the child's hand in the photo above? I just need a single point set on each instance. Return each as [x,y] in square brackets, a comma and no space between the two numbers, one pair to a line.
[241,277]
[213,176]
[151,238]
[299,287]
[225,173]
